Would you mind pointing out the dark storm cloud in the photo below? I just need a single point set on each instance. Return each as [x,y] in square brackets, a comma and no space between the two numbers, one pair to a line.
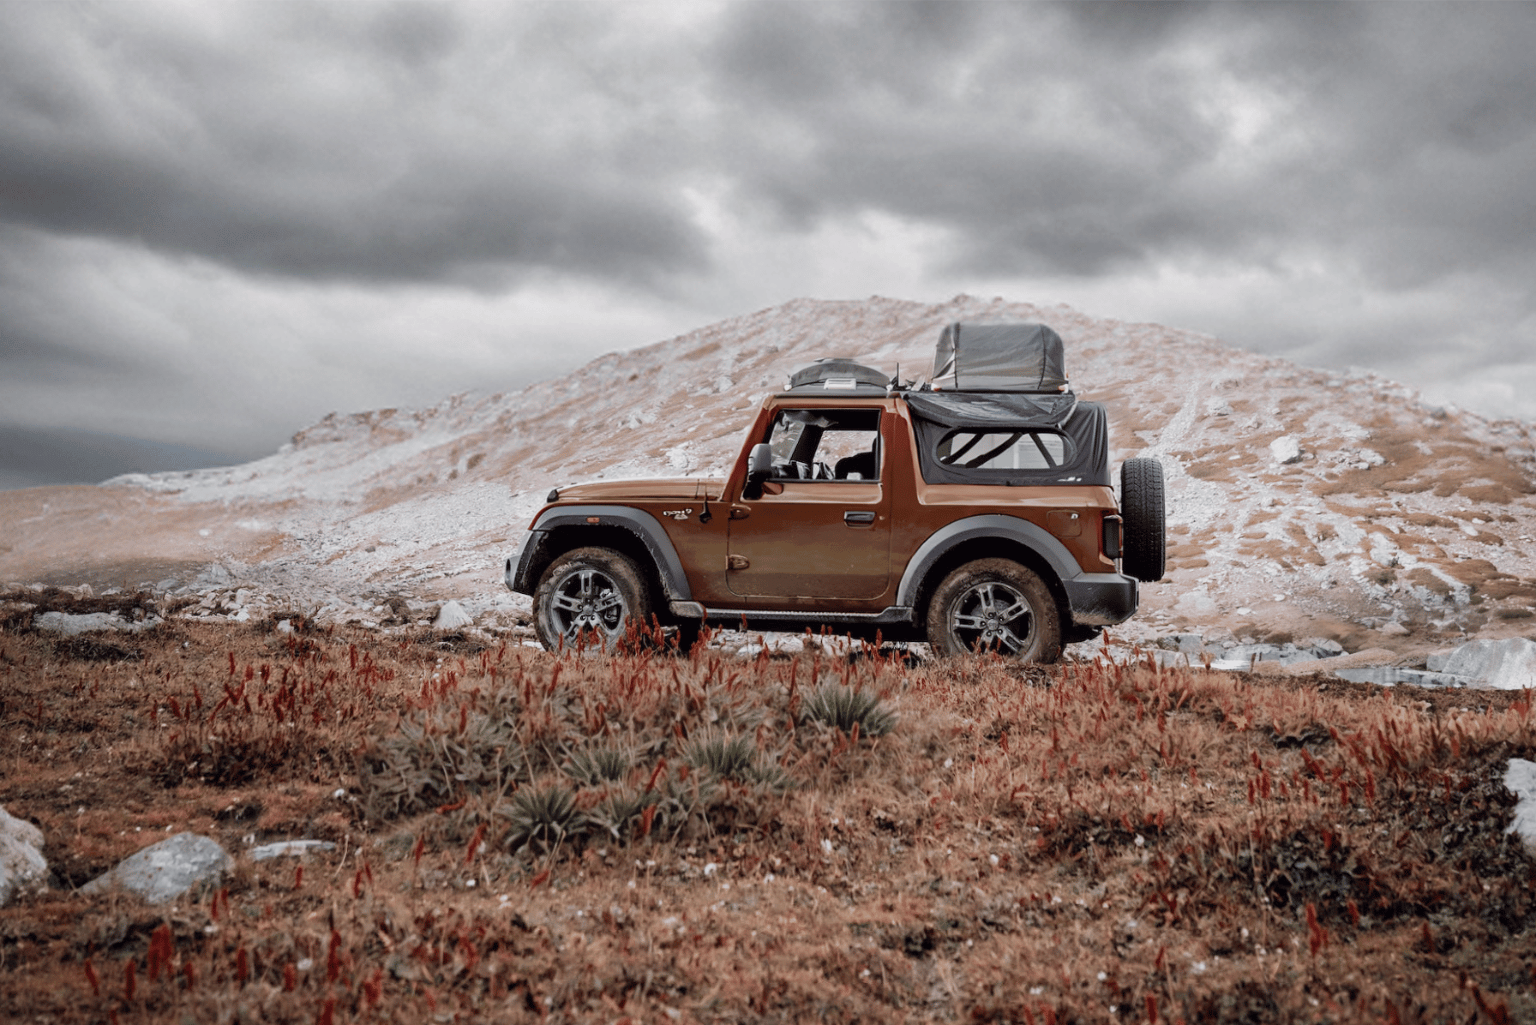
[1088,138]
[217,220]
[357,141]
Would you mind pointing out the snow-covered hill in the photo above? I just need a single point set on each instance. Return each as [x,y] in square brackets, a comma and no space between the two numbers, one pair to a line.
[1410,523]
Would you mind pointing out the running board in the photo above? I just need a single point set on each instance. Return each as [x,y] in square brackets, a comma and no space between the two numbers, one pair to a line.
[895,614]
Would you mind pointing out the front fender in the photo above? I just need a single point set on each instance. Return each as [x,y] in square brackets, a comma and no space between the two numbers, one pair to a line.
[642,525]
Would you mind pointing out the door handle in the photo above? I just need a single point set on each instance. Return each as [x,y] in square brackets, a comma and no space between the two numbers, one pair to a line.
[856,516]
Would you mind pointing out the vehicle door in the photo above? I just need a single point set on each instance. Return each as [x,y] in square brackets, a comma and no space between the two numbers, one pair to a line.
[821,526]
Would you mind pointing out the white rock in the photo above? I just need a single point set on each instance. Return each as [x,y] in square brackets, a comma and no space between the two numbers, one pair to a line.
[1520,778]
[90,622]
[22,865]
[1509,664]
[452,617]
[1285,449]
[164,871]
[289,848]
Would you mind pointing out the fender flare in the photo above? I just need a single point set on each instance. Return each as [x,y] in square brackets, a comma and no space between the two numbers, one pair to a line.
[644,526]
[1032,536]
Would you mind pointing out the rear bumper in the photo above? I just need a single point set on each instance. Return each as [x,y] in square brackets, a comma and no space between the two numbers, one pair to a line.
[1101,599]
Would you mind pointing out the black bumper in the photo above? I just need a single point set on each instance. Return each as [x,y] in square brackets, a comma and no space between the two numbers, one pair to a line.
[1101,599]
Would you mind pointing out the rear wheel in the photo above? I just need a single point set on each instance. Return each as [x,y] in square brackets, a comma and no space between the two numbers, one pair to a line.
[587,598]
[1144,553]
[995,605]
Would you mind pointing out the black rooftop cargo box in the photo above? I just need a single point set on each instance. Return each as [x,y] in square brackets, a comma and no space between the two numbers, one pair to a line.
[999,358]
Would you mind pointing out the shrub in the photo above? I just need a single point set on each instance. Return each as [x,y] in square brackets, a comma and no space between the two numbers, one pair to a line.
[543,815]
[845,707]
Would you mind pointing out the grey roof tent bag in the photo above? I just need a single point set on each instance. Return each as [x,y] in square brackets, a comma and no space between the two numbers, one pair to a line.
[999,358]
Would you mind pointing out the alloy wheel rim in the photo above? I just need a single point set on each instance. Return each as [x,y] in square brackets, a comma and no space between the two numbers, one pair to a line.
[992,616]
[587,603]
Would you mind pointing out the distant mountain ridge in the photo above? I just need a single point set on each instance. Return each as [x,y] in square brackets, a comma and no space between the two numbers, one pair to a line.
[1397,517]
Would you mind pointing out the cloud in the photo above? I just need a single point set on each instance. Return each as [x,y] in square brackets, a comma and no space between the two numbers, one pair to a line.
[348,142]
[219,222]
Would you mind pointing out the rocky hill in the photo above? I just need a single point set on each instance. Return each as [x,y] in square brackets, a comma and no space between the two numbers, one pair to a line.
[1302,502]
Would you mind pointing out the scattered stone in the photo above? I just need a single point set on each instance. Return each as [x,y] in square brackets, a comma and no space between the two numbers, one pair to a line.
[1285,449]
[1188,644]
[1509,664]
[452,617]
[1218,406]
[289,848]
[1393,629]
[22,865]
[90,622]
[166,870]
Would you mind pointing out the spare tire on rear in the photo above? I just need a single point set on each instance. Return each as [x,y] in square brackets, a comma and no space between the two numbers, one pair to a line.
[1144,551]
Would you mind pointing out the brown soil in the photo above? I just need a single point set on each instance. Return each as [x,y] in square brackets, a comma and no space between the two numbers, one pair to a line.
[1078,844]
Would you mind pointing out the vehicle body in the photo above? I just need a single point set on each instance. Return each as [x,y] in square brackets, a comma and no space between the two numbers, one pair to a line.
[851,507]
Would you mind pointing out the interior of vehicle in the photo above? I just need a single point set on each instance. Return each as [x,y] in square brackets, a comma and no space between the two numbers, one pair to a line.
[826,444]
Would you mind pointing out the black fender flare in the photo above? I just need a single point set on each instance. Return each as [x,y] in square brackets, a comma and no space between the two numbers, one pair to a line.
[1032,536]
[645,527]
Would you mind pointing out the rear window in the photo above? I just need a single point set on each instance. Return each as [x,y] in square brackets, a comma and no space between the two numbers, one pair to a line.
[1003,450]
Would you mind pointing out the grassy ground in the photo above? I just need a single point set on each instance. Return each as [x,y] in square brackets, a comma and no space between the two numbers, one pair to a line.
[650,838]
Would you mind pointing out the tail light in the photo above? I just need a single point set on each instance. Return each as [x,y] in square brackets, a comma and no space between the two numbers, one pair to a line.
[1112,536]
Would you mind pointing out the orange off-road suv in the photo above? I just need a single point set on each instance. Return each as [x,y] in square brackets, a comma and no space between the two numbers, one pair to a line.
[975,512]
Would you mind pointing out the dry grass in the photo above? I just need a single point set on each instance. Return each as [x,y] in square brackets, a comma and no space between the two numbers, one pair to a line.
[654,838]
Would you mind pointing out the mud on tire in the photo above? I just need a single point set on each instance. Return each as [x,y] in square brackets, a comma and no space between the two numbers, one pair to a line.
[587,598]
[995,605]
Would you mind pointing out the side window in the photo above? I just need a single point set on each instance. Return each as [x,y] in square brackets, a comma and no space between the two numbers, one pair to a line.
[1002,450]
[826,444]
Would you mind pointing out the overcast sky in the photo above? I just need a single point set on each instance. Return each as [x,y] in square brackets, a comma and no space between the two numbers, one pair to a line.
[219,222]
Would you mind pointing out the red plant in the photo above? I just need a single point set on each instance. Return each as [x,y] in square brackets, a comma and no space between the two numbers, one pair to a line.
[333,958]
[1317,936]
[161,952]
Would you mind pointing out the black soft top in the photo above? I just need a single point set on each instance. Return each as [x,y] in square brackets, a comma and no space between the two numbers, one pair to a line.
[1083,425]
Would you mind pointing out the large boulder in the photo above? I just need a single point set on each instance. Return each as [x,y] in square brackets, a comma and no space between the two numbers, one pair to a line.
[166,870]
[1509,664]
[22,865]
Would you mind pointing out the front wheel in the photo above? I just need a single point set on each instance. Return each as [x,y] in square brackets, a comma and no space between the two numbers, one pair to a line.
[587,598]
[995,605]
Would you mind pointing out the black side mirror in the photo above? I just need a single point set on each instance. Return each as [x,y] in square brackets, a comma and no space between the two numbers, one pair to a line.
[759,469]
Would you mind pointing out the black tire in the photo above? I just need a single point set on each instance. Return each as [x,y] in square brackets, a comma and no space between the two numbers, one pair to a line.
[1144,548]
[995,605]
[587,598]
